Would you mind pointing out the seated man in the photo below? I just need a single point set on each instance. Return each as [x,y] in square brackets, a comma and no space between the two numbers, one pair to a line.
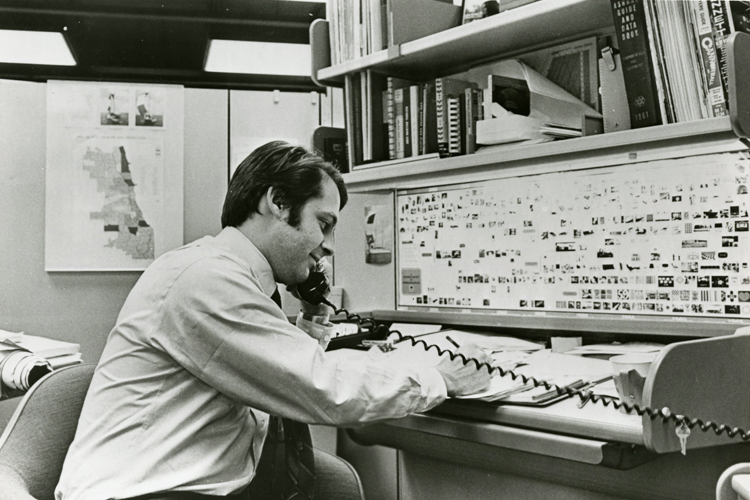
[201,353]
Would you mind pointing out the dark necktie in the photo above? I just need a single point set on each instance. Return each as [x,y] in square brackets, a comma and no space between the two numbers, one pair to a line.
[289,445]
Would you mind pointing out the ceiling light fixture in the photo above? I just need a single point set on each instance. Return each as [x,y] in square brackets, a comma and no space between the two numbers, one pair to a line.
[35,47]
[258,58]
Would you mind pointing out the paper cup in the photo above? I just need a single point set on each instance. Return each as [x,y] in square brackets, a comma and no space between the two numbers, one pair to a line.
[630,373]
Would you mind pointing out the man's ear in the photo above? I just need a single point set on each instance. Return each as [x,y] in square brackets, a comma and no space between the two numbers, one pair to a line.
[272,204]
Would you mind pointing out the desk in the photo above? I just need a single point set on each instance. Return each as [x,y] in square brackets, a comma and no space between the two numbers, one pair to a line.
[463,449]
[433,465]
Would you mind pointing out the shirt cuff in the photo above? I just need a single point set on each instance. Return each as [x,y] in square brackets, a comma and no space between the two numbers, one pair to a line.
[318,327]
[434,390]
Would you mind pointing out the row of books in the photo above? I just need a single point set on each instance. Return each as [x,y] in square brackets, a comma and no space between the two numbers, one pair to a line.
[362,27]
[674,57]
[396,119]
[390,118]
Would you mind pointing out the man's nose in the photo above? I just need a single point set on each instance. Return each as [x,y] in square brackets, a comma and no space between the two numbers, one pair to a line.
[327,246]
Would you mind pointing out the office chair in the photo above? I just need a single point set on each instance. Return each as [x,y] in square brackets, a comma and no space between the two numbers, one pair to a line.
[34,444]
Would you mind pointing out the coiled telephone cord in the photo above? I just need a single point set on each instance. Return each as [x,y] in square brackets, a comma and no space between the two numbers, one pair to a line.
[666,415]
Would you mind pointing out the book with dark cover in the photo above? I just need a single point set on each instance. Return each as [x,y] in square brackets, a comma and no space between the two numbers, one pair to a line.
[379,125]
[407,122]
[635,54]
[429,118]
[445,87]
[357,118]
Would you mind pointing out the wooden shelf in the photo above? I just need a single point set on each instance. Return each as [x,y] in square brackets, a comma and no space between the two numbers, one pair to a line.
[520,30]
[628,146]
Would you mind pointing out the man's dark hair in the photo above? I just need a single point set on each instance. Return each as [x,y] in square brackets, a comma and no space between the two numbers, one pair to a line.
[295,173]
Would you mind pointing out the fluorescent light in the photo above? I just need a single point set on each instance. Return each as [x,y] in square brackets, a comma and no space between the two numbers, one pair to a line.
[258,58]
[34,47]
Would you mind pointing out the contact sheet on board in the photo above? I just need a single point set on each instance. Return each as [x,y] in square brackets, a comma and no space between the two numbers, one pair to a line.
[667,237]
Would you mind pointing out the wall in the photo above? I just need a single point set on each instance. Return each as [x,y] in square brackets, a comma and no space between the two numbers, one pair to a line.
[82,307]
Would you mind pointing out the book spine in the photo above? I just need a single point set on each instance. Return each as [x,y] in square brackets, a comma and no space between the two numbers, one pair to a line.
[708,58]
[421,122]
[398,100]
[441,113]
[391,119]
[408,139]
[454,125]
[635,54]
[349,118]
[721,26]
[430,119]
[358,116]
[473,104]
[414,105]
[666,99]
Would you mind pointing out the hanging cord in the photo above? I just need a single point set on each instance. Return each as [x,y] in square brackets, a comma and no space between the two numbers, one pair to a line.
[380,330]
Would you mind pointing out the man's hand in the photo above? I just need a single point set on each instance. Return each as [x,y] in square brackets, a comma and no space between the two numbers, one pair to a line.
[326,268]
[465,379]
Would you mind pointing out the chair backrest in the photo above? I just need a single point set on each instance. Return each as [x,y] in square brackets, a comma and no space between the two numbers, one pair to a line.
[34,444]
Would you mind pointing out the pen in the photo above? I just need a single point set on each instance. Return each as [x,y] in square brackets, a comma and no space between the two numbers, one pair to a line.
[452,341]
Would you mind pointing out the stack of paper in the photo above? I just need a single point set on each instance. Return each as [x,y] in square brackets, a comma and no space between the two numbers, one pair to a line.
[19,369]
[57,352]
[6,335]
[616,348]
[489,342]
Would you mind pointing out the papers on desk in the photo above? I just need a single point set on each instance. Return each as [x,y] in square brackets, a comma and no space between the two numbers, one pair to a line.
[24,359]
[616,348]
[19,368]
[489,342]
[415,329]
[562,370]
[6,335]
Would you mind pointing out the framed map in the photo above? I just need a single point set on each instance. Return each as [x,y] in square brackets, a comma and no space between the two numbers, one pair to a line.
[114,187]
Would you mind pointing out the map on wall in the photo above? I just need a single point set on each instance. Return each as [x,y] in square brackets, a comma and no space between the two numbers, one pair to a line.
[114,184]
[667,237]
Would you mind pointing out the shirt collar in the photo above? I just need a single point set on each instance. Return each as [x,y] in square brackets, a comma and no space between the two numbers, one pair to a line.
[233,239]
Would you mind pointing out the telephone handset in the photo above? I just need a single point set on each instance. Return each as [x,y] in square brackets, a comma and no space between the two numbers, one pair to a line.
[314,288]
[313,291]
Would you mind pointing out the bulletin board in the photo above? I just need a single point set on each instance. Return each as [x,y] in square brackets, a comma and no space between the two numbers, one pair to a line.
[658,238]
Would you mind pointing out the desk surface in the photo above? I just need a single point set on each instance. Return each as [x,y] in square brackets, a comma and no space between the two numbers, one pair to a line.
[592,421]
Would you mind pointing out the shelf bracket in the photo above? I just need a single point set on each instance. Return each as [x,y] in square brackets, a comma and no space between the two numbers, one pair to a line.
[320,48]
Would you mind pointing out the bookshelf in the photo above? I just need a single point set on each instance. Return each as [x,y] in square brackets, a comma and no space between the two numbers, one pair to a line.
[516,31]
[541,24]
[698,345]
[713,135]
